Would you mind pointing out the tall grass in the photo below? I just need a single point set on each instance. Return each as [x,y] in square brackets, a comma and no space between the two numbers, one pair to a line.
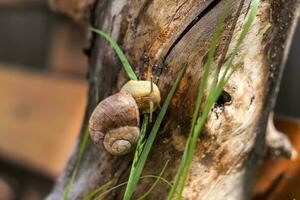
[143,148]
[136,173]
[154,184]
[119,53]
[98,192]
[213,94]
[84,142]
[82,148]
[201,90]
[144,145]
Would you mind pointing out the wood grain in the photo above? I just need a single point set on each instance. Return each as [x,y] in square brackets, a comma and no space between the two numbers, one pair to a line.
[159,37]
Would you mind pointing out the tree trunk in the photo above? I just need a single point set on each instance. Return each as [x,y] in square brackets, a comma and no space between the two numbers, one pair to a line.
[158,38]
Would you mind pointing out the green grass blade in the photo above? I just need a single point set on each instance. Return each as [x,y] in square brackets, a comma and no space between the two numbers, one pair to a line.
[155,182]
[227,44]
[201,90]
[245,30]
[119,52]
[82,148]
[158,177]
[70,184]
[203,85]
[229,67]
[111,189]
[139,168]
[192,146]
[98,190]
[141,142]
[104,186]
[207,67]
[139,148]
[137,153]
[214,93]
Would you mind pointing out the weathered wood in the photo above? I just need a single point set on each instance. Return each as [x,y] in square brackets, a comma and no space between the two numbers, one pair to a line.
[159,37]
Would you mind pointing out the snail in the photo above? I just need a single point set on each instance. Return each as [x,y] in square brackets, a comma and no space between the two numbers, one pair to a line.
[116,119]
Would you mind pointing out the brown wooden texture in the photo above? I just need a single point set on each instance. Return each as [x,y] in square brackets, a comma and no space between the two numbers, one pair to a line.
[159,37]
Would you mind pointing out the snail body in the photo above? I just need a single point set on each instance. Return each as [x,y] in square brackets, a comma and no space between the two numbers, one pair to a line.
[115,121]
[143,92]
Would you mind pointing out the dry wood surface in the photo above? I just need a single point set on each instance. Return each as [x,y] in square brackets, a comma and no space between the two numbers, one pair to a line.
[159,37]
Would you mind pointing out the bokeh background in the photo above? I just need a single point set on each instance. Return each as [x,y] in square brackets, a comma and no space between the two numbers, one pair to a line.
[43,89]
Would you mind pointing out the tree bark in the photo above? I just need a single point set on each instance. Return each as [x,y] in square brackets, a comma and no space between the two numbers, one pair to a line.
[159,37]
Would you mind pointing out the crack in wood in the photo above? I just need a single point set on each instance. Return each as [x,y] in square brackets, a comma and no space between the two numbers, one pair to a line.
[210,7]
[234,161]
[177,10]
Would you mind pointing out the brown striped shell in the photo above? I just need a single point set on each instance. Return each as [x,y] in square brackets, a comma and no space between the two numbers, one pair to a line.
[115,123]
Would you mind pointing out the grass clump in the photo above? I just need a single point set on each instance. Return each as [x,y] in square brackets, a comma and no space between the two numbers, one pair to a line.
[98,195]
[84,143]
[119,53]
[144,145]
[198,120]
[82,148]
[141,160]
[213,94]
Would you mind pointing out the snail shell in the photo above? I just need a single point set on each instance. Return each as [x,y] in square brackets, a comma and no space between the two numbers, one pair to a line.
[143,93]
[115,122]
[120,141]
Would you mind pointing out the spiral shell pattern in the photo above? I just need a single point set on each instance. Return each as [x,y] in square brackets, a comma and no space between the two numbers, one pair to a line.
[115,123]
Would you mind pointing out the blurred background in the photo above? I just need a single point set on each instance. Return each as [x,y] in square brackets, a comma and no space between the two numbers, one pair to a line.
[43,91]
